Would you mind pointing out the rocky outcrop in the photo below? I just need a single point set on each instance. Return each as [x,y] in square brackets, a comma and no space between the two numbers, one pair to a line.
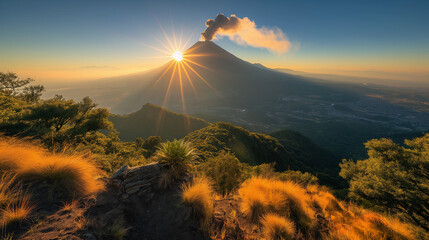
[133,200]
[136,180]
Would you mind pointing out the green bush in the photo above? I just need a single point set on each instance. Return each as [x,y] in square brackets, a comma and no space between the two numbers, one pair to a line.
[225,170]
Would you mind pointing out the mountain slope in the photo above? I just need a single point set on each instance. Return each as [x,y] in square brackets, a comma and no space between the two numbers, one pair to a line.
[293,151]
[338,117]
[152,120]
[223,81]
[302,149]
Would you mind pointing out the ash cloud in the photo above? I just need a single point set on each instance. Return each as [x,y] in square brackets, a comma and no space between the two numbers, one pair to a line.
[245,32]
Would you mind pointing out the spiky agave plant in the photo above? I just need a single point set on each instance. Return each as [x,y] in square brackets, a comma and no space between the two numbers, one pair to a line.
[175,157]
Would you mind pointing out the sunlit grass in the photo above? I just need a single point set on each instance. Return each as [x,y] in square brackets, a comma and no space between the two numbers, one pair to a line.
[15,212]
[260,196]
[199,195]
[8,191]
[279,205]
[66,176]
[276,227]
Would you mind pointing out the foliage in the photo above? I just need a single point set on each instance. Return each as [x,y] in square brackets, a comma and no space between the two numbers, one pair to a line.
[248,147]
[176,158]
[393,178]
[258,149]
[151,145]
[298,177]
[54,121]
[277,228]
[225,170]
[10,84]
[199,195]
[315,159]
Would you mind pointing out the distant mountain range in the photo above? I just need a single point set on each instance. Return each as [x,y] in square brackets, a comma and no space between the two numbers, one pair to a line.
[338,116]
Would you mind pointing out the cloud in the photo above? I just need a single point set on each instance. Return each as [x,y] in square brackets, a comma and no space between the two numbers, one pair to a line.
[244,31]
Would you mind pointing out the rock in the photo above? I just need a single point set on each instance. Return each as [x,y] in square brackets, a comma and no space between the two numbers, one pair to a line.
[89,236]
[120,171]
[132,190]
[140,183]
[115,183]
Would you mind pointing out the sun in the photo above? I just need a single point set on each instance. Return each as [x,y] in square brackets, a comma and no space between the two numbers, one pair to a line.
[178,56]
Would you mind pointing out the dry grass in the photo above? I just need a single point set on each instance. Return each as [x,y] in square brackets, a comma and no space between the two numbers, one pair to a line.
[277,204]
[15,212]
[260,196]
[69,206]
[199,195]
[67,176]
[327,202]
[277,228]
[9,192]
[358,223]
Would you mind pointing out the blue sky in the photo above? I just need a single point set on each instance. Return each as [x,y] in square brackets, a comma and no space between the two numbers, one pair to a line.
[58,40]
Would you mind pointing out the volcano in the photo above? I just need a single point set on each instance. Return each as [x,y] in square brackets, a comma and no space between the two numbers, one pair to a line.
[223,87]
[218,80]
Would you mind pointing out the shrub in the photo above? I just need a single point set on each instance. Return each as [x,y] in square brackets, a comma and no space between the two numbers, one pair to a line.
[277,228]
[299,177]
[199,195]
[175,157]
[66,176]
[225,171]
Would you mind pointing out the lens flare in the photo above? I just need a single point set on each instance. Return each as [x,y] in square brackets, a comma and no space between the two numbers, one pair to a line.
[183,71]
[178,56]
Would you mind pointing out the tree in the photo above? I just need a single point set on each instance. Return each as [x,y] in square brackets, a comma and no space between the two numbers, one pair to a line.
[151,145]
[32,94]
[394,177]
[9,82]
[55,121]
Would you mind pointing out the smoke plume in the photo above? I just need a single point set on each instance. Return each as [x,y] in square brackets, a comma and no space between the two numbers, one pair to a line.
[245,32]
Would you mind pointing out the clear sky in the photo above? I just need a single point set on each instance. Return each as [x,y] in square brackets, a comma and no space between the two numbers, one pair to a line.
[78,40]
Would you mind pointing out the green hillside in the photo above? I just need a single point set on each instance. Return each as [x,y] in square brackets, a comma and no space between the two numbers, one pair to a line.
[153,120]
[292,151]
[319,161]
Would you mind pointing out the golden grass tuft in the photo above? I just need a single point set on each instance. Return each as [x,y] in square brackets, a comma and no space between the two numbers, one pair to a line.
[69,206]
[199,195]
[15,153]
[277,228]
[15,212]
[66,176]
[260,196]
[71,176]
[327,202]
[8,191]
[363,224]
